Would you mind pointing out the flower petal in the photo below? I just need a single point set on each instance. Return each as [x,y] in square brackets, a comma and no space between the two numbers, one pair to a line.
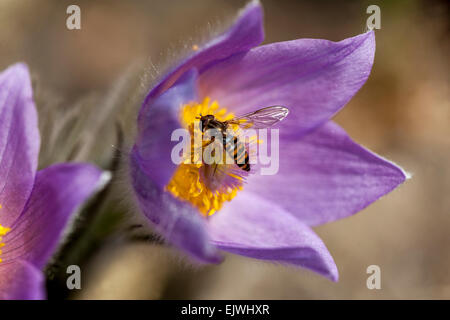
[19,141]
[246,33]
[58,192]
[21,280]
[325,176]
[178,222]
[313,78]
[159,118]
[151,168]
[254,227]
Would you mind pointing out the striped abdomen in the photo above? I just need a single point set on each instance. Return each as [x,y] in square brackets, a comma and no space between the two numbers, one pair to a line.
[239,152]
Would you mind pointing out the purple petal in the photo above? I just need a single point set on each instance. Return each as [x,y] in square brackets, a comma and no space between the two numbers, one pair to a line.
[254,227]
[325,176]
[178,222]
[246,33]
[313,78]
[159,118]
[58,192]
[151,168]
[19,141]
[21,280]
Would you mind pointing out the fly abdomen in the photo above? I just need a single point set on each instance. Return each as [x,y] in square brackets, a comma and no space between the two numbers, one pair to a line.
[240,154]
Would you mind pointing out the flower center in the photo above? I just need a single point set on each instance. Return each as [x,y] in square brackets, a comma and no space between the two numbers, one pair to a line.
[3,232]
[205,186]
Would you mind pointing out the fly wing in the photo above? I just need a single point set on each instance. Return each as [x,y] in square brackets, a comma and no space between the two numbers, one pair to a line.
[222,177]
[262,118]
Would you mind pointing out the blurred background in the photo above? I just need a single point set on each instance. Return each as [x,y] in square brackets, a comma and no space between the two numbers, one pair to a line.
[89,85]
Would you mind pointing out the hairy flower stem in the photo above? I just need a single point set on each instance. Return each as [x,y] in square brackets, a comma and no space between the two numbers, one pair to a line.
[93,224]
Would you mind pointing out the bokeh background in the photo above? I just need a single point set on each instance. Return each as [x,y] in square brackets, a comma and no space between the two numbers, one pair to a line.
[89,84]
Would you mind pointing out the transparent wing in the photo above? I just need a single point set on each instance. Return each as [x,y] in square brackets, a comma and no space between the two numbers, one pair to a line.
[262,118]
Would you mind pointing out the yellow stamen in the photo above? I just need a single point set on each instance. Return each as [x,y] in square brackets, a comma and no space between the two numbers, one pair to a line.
[186,183]
[3,232]
[191,111]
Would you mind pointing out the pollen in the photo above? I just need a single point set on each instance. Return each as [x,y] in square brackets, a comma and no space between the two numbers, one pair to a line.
[192,180]
[192,111]
[3,232]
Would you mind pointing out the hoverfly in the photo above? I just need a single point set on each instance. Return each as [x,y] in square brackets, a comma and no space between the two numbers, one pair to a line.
[259,119]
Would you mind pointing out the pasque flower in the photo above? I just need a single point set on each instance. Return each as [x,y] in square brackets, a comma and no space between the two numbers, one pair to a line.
[35,206]
[323,175]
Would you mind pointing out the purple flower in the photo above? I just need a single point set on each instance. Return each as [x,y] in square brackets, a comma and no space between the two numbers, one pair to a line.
[35,206]
[323,175]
